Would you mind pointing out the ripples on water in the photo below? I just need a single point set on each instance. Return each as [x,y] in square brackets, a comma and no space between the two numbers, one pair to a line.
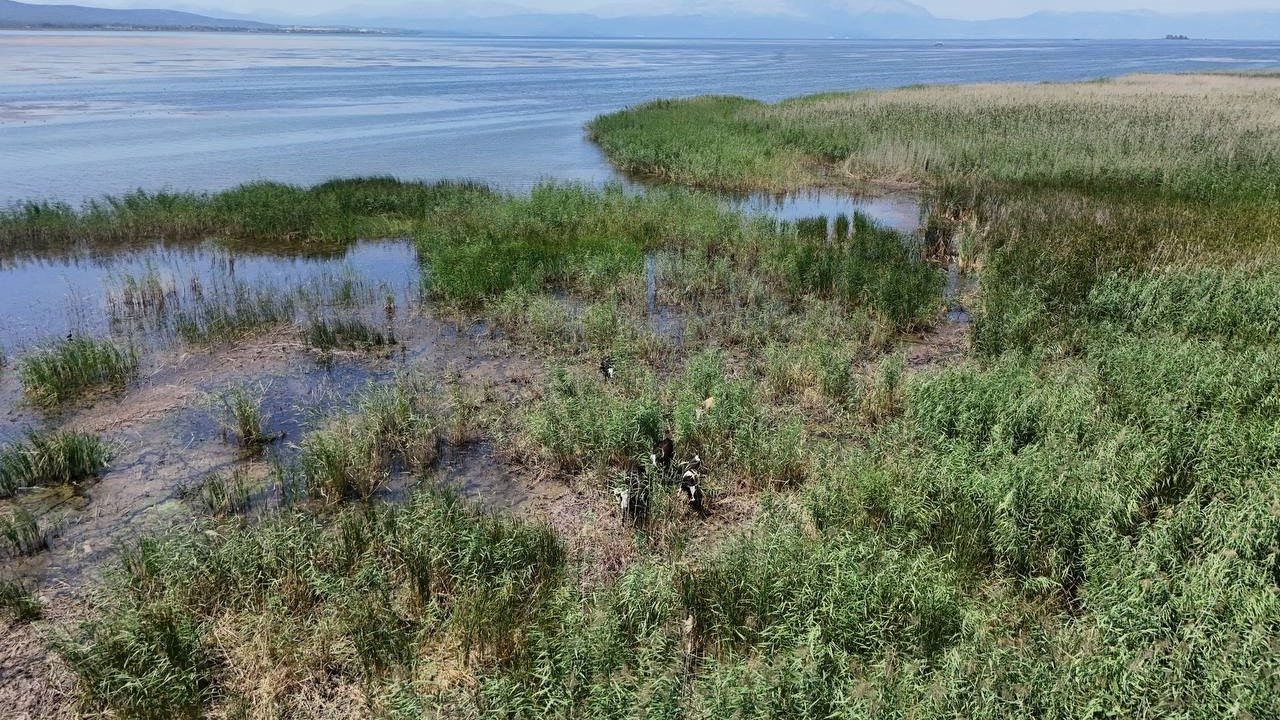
[85,114]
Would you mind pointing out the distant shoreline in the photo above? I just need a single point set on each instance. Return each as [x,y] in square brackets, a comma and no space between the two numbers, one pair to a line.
[394,32]
[282,30]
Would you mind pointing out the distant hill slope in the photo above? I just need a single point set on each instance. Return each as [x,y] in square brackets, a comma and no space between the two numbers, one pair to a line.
[17,15]
[878,23]
[797,19]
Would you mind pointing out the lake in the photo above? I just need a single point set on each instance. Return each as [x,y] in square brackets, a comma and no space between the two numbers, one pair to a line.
[84,114]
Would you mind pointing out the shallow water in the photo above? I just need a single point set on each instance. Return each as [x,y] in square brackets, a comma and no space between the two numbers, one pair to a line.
[899,211]
[84,114]
[161,456]
[45,298]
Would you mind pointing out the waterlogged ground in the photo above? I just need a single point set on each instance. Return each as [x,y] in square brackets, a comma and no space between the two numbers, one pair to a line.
[50,296]
[164,429]
[166,437]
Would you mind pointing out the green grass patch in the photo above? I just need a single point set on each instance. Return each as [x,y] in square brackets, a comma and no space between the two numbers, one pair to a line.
[584,421]
[563,237]
[18,601]
[51,458]
[73,367]
[354,456]
[224,496]
[344,334]
[239,412]
[344,603]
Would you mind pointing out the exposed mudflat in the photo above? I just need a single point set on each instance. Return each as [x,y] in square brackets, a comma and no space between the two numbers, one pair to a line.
[165,438]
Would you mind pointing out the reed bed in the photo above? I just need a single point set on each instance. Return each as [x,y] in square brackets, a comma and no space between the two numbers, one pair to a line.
[355,456]
[233,313]
[593,243]
[344,334]
[149,293]
[1092,528]
[1046,524]
[1050,188]
[586,422]
[564,237]
[330,213]
[342,602]
[239,412]
[1191,136]
[225,496]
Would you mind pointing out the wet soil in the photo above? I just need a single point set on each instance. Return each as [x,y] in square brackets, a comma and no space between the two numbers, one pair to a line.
[949,340]
[166,440]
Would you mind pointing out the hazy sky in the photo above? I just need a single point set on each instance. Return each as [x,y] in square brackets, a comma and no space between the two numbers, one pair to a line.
[966,9]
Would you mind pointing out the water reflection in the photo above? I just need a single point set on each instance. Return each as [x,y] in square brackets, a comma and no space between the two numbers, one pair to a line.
[897,211]
[44,298]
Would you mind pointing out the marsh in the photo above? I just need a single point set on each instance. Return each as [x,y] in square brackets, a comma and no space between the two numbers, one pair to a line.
[1002,445]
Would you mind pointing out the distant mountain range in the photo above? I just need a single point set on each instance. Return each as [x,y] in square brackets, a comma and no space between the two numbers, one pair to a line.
[799,19]
[16,14]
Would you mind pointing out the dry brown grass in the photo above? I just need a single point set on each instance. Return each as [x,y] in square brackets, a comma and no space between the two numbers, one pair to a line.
[1199,136]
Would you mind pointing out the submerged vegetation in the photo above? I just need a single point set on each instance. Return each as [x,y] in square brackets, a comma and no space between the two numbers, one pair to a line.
[22,532]
[234,313]
[1079,516]
[345,334]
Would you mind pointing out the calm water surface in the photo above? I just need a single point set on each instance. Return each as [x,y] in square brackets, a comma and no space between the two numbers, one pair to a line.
[84,114]
[47,298]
